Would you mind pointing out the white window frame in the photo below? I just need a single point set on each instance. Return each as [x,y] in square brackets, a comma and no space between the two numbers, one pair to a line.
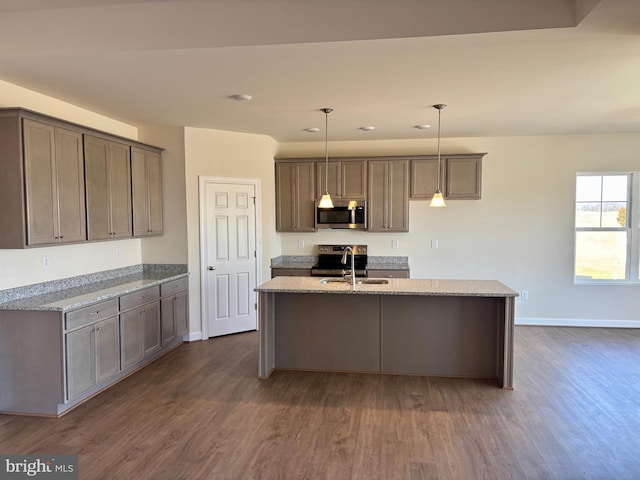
[632,269]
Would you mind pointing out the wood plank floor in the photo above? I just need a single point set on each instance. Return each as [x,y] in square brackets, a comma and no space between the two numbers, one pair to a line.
[200,413]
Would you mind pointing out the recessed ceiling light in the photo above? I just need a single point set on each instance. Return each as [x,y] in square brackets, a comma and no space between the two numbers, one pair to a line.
[422,127]
[241,97]
[368,128]
[312,129]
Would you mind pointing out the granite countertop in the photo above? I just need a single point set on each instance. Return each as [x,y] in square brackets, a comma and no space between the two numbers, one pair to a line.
[71,293]
[396,286]
[308,261]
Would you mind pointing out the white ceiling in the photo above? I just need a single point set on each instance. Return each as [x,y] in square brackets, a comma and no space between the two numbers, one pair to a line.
[504,67]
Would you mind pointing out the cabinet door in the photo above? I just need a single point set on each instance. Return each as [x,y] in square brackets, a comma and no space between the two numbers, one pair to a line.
[131,337]
[398,196]
[424,178]
[295,197]
[378,192]
[108,176]
[167,319]
[120,190]
[463,178]
[96,154]
[80,363]
[388,203]
[40,183]
[151,328]
[146,182]
[334,181]
[182,313]
[354,180]
[107,348]
[69,160]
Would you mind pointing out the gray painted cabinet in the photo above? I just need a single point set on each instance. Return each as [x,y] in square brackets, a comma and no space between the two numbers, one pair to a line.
[146,187]
[92,355]
[174,310]
[346,179]
[51,361]
[139,325]
[65,183]
[460,177]
[295,202]
[388,199]
[108,177]
[54,184]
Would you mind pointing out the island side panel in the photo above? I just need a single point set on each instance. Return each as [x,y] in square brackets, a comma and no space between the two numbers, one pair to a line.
[31,364]
[506,364]
[266,355]
[443,336]
[329,332]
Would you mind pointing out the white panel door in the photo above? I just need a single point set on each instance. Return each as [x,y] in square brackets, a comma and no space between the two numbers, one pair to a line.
[230,258]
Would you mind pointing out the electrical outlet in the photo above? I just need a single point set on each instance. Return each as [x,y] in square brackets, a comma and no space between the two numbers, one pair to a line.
[395,244]
[118,252]
[434,244]
[524,294]
[45,263]
[300,243]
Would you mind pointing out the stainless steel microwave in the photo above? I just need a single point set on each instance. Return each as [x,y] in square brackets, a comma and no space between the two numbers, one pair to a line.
[350,214]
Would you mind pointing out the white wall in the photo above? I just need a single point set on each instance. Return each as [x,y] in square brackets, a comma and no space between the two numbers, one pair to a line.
[24,267]
[215,153]
[521,231]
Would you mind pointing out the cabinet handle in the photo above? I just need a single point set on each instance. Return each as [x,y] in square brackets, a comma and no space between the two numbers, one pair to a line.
[98,329]
[95,313]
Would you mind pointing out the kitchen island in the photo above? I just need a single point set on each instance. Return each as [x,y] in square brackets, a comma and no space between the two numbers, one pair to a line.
[450,328]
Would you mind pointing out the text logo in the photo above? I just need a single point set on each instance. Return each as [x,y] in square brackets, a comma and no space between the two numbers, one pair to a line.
[50,467]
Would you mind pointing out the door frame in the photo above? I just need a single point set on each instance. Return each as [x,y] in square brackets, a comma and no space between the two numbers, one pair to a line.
[202,182]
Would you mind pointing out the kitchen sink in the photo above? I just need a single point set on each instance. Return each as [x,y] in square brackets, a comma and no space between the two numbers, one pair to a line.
[359,281]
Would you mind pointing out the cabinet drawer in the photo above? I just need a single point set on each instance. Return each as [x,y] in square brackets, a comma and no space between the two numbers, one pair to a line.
[174,286]
[135,299]
[91,314]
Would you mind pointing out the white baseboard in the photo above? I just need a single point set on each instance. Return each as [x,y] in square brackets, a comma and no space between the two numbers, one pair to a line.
[193,337]
[572,322]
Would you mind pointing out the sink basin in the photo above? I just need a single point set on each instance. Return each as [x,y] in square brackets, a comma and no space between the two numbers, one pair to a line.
[373,281]
[333,280]
[359,281]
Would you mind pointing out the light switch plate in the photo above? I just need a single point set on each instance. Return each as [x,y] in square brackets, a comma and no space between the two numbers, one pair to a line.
[434,243]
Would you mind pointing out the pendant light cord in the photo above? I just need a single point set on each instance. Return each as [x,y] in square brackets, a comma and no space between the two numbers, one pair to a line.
[438,179]
[326,150]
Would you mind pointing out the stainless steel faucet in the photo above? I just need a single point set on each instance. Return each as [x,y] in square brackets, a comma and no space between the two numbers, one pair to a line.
[353,264]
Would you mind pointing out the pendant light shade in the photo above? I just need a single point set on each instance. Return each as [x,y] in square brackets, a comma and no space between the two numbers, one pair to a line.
[438,200]
[325,201]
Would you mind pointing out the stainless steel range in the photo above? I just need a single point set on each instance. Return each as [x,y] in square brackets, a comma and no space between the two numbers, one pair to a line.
[330,261]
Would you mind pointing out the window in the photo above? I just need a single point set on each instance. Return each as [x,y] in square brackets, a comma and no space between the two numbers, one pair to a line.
[606,242]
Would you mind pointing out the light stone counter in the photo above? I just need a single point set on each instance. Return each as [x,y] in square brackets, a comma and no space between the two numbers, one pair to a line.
[396,286]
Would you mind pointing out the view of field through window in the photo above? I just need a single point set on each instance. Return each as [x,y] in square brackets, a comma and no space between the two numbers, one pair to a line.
[601,227]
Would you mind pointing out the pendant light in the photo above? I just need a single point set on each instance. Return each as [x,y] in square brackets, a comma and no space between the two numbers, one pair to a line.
[325,201]
[438,200]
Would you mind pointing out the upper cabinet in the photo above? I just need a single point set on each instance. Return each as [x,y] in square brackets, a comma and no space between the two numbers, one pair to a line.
[146,187]
[347,179]
[54,184]
[295,202]
[460,177]
[388,200]
[108,174]
[64,183]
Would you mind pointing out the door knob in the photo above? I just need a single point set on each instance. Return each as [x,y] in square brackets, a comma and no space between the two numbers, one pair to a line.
[211,267]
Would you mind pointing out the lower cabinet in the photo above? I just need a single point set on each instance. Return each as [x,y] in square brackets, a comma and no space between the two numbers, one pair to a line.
[174,308]
[140,326]
[71,356]
[92,355]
